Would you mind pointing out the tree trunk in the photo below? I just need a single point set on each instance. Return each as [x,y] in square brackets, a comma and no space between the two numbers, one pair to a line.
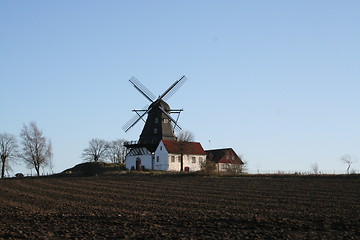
[3,167]
[348,169]
[181,162]
[37,168]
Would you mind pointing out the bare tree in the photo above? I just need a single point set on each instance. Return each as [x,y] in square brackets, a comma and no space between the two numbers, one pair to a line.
[97,151]
[348,160]
[183,140]
[8,151]
[117,151]
[37,149]
[245,166]
[315,168]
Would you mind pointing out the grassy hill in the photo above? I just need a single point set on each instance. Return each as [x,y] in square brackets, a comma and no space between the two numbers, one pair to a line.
[89,169]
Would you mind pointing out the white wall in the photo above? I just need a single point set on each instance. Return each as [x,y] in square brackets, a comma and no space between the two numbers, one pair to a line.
[224,167]
[193,166]
[146,160]
[165,163]
[161,158]
[174,166]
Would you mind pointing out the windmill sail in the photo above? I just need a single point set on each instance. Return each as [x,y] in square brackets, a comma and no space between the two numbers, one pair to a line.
[135,119]
[142,89]
[159,123]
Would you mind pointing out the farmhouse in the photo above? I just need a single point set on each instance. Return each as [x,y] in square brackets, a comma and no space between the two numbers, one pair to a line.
[158,148]
[224,159]
[167,157]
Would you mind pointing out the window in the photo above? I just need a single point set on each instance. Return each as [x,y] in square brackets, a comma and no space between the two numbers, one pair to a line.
[166,120]
[172,158]
[155,131]
[157,158]
[233,157]
[156,120]
[193,159]
[179,159]
[160,148]
[227,157]
[200,159]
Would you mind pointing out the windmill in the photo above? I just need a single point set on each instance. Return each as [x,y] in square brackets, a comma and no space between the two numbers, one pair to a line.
[159,124]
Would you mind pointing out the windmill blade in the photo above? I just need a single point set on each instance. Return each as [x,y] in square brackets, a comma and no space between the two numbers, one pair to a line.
[134,120]
[142,89]
[177,111]
[173,88]
[176,126]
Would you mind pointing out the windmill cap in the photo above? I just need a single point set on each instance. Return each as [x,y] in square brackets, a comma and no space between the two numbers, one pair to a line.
[162,104]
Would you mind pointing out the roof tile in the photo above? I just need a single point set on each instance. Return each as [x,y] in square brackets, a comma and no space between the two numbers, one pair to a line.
[188,147]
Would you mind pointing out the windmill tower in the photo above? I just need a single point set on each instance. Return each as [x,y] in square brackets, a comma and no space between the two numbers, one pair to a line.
[159,124]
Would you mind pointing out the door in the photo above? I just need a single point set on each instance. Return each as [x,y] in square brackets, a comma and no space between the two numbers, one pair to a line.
[138,164]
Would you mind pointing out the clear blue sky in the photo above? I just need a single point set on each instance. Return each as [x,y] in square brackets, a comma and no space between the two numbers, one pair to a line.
[278,81]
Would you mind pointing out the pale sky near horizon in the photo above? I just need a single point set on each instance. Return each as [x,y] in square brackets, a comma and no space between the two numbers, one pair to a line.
[278,81]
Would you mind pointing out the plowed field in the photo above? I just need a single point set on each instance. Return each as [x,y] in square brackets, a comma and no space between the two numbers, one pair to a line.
[181,207]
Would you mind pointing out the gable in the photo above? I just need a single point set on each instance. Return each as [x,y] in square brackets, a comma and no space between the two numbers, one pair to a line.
[226,155]
[161,148]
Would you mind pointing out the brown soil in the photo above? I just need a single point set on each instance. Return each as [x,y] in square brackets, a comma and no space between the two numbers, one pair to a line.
[181,207]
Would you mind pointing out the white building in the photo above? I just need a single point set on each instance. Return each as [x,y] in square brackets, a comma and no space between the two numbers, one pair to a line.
[139,158]
[167,157]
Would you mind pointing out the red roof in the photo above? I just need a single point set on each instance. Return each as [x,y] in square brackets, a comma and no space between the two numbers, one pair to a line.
[186,147]
[226,155]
